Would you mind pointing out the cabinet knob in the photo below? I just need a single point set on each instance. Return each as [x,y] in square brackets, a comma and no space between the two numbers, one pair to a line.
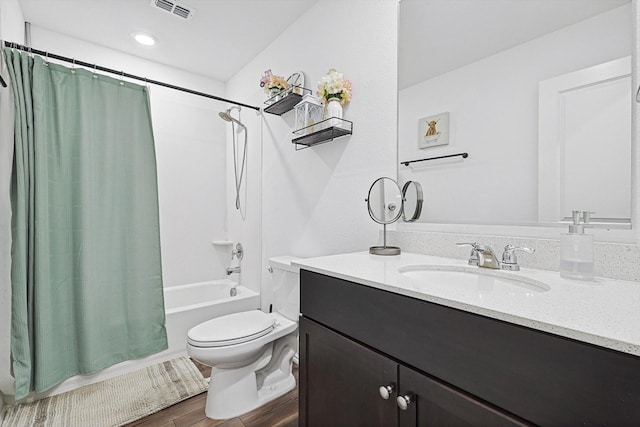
[404,401]
[386,391]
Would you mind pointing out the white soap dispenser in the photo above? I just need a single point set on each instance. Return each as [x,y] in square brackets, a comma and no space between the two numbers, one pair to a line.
[576,250]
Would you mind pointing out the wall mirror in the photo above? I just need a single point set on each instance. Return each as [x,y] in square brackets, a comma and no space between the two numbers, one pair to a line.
[474,89]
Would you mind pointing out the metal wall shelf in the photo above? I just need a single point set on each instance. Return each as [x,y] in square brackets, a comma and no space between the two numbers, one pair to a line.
[285,101]
[321,132]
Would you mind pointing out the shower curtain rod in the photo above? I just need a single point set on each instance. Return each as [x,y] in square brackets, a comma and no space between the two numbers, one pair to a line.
[123,74]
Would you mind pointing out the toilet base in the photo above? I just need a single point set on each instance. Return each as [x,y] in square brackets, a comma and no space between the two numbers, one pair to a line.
[234,392]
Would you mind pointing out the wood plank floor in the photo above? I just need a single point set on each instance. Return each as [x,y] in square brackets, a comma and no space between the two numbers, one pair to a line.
[281,412]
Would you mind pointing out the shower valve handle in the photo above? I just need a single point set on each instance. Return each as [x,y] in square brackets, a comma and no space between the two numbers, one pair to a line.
[237,252]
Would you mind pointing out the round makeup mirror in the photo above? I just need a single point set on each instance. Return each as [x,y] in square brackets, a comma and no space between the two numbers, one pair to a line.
[385,205]
[413,199]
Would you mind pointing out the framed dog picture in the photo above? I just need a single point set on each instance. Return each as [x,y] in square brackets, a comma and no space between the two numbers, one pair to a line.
[433,130]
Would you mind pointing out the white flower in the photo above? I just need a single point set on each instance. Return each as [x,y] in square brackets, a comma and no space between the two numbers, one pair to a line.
[333,85]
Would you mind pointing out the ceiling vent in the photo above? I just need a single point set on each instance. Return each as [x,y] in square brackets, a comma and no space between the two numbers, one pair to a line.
[174,8]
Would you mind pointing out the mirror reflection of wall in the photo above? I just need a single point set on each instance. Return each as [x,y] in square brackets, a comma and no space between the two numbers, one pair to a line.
[584,144]
[482,62]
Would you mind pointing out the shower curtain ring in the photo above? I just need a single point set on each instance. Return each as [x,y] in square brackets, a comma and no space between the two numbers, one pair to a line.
[73,66]
[121,78]
[46,59]
[95,75]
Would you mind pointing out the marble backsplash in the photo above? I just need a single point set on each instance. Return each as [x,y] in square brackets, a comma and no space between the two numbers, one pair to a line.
[612,260]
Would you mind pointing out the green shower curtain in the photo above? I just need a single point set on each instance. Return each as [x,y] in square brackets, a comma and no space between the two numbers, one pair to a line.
[86,272]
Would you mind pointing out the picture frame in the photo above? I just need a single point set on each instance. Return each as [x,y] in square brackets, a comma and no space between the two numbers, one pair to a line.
[433,130]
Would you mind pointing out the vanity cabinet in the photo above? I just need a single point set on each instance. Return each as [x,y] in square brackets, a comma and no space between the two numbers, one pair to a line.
[341,380]
[458,368]
[434,403]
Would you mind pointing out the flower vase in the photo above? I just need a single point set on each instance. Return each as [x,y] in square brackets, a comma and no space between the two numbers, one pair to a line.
[275,95]
[334,112]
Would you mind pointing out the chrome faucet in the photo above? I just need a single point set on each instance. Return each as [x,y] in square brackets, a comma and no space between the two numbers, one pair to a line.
[232,270]
[473,257]
[485,257]
[239,253]
[509,259]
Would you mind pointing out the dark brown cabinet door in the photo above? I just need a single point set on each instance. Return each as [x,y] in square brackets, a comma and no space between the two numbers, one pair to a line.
[340,381]
[432,403]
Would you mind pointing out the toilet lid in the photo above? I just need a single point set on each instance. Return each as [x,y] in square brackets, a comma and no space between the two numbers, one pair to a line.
[231,329]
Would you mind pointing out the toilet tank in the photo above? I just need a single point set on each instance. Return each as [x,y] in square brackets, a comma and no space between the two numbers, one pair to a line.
[285,280]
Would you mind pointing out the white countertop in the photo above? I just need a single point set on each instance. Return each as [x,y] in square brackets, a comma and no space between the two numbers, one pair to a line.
[604,312]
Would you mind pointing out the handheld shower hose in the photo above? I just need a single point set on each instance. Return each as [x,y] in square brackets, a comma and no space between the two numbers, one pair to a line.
[226,116]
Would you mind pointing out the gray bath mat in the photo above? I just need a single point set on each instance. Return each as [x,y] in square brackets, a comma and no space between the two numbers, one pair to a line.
[113,402]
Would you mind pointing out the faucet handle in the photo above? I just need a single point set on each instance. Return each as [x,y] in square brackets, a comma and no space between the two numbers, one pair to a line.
[509,258]
[237,252]
[473,258]
[472,244]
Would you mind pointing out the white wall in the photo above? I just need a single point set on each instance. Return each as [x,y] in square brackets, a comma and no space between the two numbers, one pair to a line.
[635,129]
[311,202]
[494,116]
[11,21]
[11,29]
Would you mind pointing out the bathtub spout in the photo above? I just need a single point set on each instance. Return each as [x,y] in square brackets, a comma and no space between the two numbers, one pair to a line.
[232,270]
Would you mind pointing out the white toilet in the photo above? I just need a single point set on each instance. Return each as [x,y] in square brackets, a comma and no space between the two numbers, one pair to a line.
[251,352]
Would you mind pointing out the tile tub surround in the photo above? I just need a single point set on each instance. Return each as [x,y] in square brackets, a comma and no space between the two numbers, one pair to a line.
[612,260]
[603,312]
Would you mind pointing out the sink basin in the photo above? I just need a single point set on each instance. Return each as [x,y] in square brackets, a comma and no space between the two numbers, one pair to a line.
[473,278]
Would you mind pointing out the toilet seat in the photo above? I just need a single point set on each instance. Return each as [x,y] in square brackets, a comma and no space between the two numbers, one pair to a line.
[236,328]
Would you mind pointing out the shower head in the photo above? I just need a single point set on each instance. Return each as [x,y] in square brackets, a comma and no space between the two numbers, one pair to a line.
[226,116]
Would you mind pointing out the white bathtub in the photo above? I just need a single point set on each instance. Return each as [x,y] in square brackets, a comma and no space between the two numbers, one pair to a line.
[188,305]
[185,307]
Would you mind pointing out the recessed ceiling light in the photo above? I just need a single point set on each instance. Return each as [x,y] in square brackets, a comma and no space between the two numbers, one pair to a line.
[144,38]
